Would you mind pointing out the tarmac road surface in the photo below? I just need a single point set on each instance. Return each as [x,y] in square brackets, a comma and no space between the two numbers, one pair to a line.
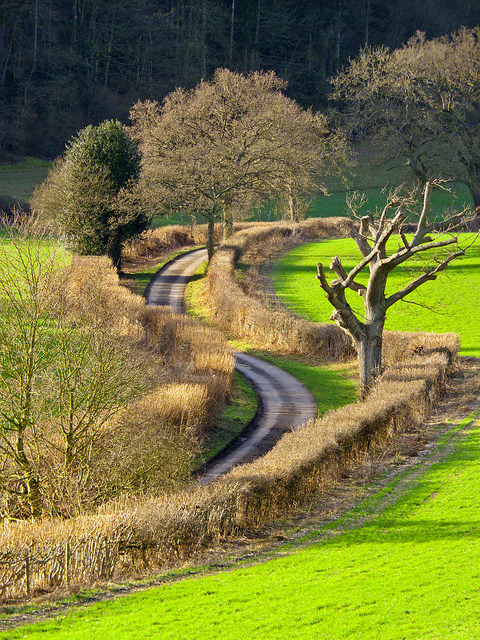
[284,402]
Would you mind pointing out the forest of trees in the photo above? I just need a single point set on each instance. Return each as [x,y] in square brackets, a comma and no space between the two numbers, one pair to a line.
[65,64]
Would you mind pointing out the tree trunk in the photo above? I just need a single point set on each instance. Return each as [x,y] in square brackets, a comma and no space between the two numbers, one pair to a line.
[227,223]
[211,235]
[369,349]
[474,187]
[114,251]
[232,23]
[29,478]
[292,207]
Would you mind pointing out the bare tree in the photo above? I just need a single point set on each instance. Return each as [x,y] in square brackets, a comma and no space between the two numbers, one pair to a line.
[421,102]
[61,379]
[228,143]
[366,331]
[25,351]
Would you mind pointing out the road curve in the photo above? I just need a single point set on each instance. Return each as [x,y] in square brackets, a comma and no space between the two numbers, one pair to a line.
[285,403]
[167,287]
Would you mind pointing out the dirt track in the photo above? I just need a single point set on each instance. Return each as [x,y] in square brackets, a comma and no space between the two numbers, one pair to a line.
[284,402]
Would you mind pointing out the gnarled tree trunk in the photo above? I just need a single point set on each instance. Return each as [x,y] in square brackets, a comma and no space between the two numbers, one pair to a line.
[369,349]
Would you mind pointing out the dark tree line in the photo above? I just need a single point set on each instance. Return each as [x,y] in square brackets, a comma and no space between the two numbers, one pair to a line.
[68,63]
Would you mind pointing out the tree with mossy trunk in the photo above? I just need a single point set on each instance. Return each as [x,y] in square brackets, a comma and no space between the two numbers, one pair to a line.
[435,238]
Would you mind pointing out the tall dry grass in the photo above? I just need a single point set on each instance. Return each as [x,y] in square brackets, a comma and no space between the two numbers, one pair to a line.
[131,536]
[244,315]
[186,353]
[178,374]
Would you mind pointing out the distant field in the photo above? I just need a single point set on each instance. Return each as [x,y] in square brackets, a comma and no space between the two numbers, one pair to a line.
[334,204]
[448,304]
[18,181]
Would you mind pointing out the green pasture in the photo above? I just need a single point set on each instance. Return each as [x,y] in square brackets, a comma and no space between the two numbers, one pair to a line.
[402,565]
[447,304]
[18,181]
[335,204]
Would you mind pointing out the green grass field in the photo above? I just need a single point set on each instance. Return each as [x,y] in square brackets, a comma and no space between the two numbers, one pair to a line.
[408,570]
[18,181]
[334,204]
[403,565]
[448,304]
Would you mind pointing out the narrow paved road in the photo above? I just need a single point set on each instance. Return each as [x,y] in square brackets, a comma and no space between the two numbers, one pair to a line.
[167,287]
[285,403]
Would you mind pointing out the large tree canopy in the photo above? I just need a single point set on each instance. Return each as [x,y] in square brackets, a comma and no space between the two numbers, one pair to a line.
[88,193]
[228,143]
[421,101]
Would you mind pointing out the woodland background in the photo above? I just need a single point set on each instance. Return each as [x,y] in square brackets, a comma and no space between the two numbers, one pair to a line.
[68,63]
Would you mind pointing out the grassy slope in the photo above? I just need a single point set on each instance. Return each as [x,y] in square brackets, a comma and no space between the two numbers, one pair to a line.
[18,181]
[451,299]
[411,571]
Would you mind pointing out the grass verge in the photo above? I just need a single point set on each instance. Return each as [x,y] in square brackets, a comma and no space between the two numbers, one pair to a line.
[19,180]
[403,564]
[331,385]
[239,413]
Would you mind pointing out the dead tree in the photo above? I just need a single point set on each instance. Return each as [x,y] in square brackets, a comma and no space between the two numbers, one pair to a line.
[371,238]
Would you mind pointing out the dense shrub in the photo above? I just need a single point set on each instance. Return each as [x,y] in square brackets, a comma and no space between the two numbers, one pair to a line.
[89,193]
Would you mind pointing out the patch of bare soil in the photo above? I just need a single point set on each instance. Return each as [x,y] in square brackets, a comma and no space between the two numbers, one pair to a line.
[414,451]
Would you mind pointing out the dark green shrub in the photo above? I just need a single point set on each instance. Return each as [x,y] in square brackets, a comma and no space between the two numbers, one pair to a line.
[89,194]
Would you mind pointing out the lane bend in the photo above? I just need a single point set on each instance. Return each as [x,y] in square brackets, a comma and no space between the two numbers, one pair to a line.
[284,402]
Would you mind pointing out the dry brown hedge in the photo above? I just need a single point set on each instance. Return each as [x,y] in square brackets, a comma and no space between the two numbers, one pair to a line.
[246,317]
[131,538]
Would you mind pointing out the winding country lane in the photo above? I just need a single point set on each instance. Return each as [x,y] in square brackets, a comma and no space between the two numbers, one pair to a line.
[284,402]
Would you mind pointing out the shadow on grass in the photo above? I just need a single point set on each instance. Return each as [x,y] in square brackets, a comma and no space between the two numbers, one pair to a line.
[442,483]
[406,532]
